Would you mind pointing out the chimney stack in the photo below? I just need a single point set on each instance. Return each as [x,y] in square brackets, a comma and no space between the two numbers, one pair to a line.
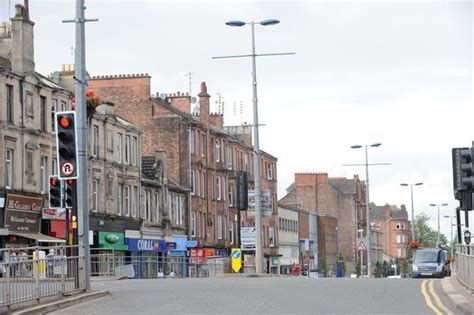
[204,104]
[22,58]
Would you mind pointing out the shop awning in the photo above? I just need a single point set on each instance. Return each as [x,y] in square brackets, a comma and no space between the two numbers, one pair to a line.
[39,237]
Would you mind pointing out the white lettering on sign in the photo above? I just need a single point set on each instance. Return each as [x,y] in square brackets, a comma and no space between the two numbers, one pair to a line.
[145,245]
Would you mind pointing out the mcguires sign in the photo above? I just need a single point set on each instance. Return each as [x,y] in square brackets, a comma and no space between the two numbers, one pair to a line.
[22,213]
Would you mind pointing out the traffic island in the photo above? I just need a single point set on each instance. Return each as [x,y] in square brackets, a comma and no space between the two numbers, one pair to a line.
[61,303]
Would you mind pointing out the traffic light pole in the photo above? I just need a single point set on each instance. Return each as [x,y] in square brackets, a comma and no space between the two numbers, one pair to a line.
[82,193]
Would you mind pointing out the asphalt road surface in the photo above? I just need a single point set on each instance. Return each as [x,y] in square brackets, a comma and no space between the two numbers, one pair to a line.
[276,295]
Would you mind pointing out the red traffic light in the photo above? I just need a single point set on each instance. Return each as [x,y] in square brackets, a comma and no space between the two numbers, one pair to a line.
[69,181]
[54,181]
[64,122]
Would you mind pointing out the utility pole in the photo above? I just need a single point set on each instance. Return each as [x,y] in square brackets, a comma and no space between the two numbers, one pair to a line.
[82,185]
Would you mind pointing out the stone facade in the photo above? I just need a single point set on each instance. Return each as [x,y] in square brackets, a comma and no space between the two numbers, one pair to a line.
[288,237]
[28,102]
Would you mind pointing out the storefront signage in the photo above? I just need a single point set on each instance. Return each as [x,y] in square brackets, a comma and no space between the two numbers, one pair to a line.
[198,255]
[112,240]
[146,245]
[54,214]
[22,213]
[170,245]
[248,238]
[23,203]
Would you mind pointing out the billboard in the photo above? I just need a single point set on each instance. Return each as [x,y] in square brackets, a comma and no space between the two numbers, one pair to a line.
[266,203]
[248,237]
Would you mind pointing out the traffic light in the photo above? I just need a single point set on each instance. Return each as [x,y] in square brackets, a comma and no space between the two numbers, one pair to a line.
[68,192]
[66,144]
[463,170]
[55,200]
[242,191]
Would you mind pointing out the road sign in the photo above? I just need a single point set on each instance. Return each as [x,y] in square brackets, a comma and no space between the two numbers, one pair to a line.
[248,237]
[67,169]
[361,246]
[236,257]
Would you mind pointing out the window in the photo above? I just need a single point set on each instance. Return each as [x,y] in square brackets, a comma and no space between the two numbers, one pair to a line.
[43,174]
[192,183]
[399,239]
[199,224]
[204,224]
[147,205]
[9,169]
[127,150]
[191,141]
[120,199]
[201,143]
[54,108]
[110,140]
[271,236]
[246,162]
[197,186]
[9,104]
[179,210]
[95,195]
[157,204]
[404,252]
[63,106]
[127,200]
[231,232]
[193,224]
[43,112]
[399,252]
[218,150]
[95,141]
[203,187]
[218,188]
[134,151]
[270,170]
[54,166]
[119,147]
[231,194]
[135,201]
[219,227]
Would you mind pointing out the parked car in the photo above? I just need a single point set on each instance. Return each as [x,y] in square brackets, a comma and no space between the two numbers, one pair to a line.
[430,262]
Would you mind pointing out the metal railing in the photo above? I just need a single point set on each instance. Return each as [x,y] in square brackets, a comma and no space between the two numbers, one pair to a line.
[32,273]
[114,264]
[465,265]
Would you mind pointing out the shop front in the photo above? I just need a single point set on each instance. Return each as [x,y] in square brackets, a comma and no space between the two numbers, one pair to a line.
[148,257]
[197,261]
[110,253]
[22,220]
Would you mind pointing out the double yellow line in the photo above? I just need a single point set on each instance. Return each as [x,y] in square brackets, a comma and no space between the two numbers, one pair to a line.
[430,295]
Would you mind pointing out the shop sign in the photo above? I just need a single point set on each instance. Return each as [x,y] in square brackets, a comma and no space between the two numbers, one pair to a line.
[146,245]
[191,243]
[198,255]
[170,245]
[248,237]
[112,240]
[22,221]
[54,214]
[23,203]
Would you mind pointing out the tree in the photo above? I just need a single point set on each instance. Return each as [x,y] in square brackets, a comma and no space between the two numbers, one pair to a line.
[425,234]
[323,268]
[342,265]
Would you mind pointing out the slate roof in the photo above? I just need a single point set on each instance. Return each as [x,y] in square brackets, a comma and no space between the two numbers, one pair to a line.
[147,167]
[399,215]
[344,185]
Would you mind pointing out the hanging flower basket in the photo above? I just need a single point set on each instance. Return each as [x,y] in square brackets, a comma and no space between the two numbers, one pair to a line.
[92,101]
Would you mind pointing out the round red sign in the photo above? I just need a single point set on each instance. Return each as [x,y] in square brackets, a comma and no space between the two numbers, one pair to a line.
[67,169]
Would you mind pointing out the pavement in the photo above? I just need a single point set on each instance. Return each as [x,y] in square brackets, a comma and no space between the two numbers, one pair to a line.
[459,296]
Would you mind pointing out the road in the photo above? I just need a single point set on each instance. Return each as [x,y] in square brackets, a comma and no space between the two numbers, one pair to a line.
[276,295]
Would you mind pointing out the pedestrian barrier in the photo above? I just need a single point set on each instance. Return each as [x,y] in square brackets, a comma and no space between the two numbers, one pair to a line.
[465,265]
[32,273]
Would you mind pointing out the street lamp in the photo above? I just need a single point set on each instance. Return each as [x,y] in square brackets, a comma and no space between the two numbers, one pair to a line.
[374,145]
[438,205]
[361,231]
[412,208]
[258,213]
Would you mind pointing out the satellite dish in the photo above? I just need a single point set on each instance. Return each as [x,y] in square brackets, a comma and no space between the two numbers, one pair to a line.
[193,100]
[163,96]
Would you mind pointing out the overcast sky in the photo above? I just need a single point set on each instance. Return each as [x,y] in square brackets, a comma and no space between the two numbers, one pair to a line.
[395,72]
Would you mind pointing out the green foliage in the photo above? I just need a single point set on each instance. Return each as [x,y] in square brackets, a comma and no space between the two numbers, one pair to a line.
[404,267]
[342,264]
[426,235]
[323,268]
[378,270]
[357,266]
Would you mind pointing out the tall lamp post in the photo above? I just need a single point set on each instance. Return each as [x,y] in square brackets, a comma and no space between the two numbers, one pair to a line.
[258,213]
[367,200]
[438,205]
[412,208]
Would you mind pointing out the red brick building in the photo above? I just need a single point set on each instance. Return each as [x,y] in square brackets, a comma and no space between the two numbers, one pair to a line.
[340,198]
[201,155]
